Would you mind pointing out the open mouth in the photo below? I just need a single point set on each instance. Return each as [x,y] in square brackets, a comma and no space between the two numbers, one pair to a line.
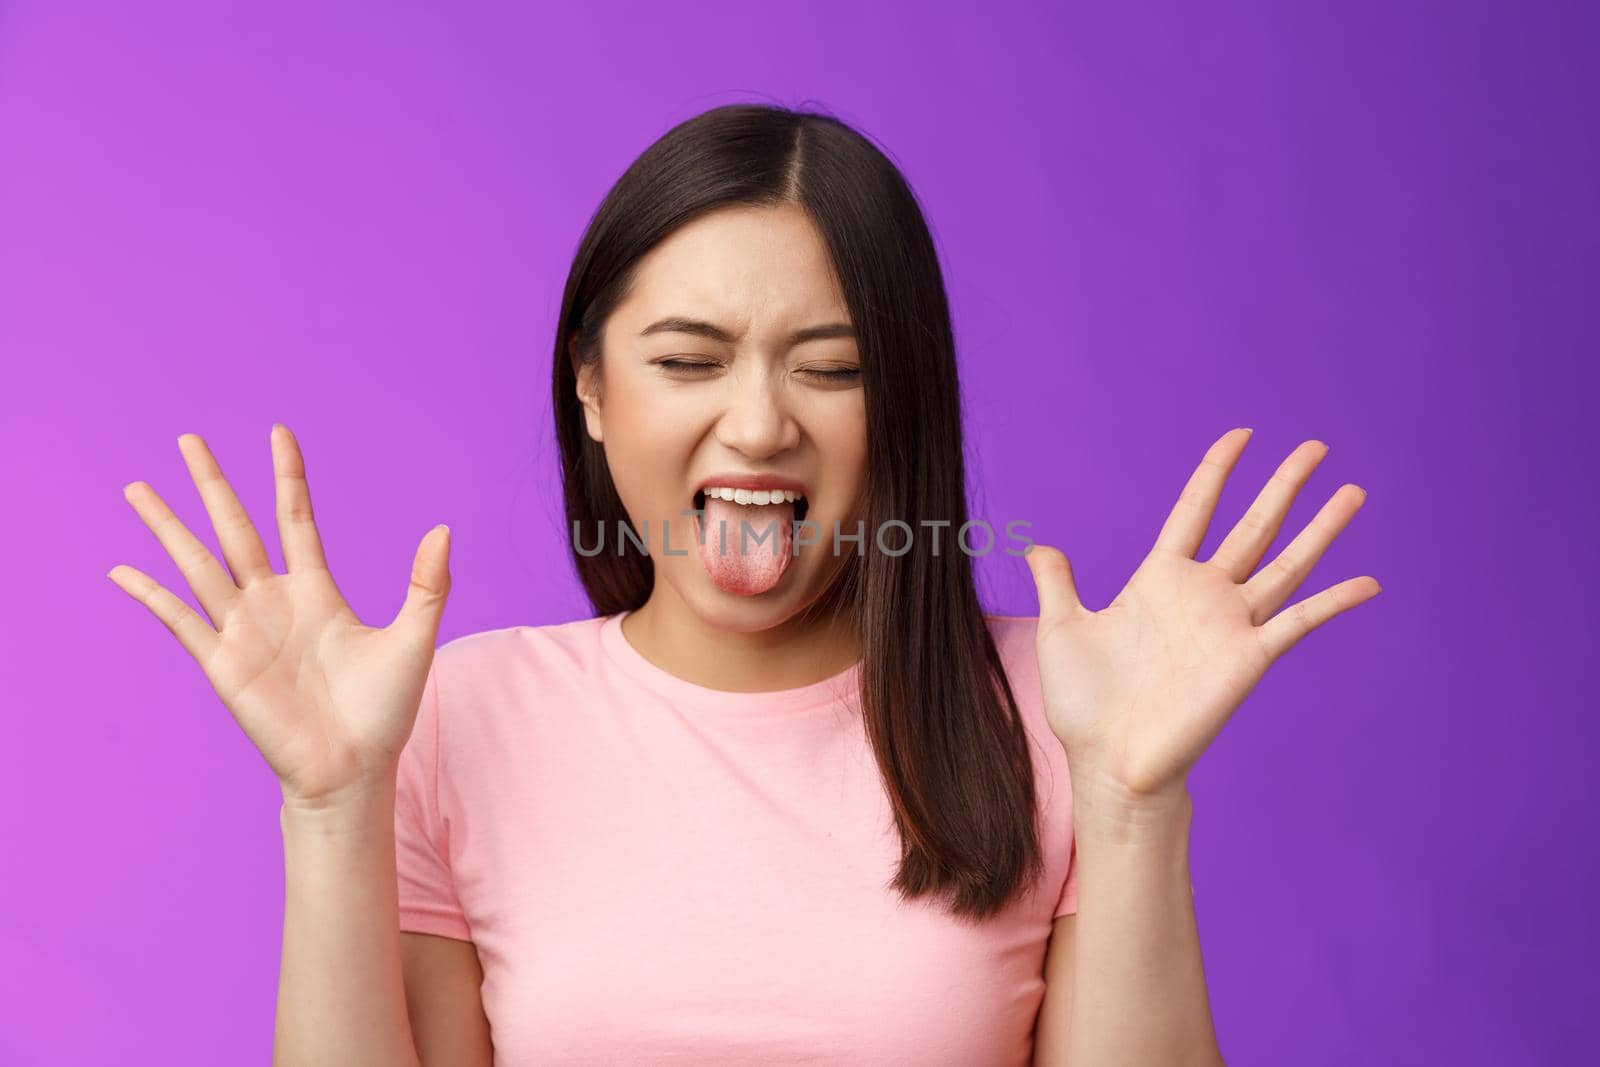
[802,506]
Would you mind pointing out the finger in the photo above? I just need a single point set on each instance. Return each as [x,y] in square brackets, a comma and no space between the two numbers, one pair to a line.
[297,528]
[430,585]
[1281,632]
[192,632]
[241,544]
[1266,592]
[211,584]
[1247,542]
[1186,525]
[1052,576]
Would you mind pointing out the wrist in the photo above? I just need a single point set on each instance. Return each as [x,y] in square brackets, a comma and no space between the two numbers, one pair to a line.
[357,812]
[1105,810]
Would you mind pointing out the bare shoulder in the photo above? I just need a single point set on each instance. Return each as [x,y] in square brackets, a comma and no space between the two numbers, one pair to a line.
[443,980]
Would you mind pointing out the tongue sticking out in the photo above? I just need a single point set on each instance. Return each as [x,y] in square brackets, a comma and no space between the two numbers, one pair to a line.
[757,568]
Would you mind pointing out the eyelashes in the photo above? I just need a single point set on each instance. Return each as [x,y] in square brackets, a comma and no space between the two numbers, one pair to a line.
[692,368]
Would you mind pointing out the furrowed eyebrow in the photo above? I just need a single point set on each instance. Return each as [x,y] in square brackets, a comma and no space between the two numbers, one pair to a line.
[701,328]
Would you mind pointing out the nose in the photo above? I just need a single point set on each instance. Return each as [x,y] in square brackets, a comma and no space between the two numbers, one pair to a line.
[756,420]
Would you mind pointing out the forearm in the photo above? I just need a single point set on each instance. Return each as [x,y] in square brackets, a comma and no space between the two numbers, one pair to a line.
[341,989]
[1139,991]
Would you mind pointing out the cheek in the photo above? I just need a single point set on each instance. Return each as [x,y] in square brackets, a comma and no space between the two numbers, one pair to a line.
[635,417]
[843,435]
[648,444]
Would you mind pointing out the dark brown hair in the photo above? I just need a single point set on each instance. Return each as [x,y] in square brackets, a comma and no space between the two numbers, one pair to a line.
[939,711]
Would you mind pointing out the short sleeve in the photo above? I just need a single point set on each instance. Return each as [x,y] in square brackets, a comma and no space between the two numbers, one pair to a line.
[428,903]
[1015,639]
[1067,904]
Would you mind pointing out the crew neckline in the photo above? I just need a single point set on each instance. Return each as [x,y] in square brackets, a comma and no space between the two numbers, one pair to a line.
[614,642]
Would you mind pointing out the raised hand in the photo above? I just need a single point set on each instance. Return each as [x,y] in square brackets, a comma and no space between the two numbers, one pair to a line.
[327,701]
[1137,690]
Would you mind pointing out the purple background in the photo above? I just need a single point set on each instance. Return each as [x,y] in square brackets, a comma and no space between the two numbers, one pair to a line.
[1370,223]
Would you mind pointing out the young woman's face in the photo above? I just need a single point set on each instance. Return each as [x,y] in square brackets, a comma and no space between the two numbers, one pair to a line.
[676,406]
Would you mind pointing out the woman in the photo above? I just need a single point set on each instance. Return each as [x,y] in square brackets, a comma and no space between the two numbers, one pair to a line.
[786,797]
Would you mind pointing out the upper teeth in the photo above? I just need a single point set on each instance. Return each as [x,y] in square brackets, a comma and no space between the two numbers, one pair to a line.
[752,496]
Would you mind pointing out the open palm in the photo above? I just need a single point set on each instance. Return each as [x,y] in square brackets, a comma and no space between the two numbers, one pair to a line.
[327,701]
[1138,689]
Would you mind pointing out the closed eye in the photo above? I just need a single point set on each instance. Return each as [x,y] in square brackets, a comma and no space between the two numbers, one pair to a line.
[683,364]
[687,366]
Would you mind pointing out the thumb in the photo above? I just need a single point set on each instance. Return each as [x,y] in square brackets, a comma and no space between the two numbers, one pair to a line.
[430,584]
[1052,576]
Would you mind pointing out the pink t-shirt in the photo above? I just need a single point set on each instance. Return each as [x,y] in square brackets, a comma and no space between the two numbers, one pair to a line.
[657,872]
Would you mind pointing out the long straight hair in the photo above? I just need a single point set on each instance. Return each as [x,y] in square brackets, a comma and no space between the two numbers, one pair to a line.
[938,709]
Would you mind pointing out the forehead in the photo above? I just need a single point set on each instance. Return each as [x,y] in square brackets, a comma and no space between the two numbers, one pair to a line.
[742,267]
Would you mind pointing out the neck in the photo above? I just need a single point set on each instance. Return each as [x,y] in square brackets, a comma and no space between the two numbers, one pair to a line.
[740,652]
